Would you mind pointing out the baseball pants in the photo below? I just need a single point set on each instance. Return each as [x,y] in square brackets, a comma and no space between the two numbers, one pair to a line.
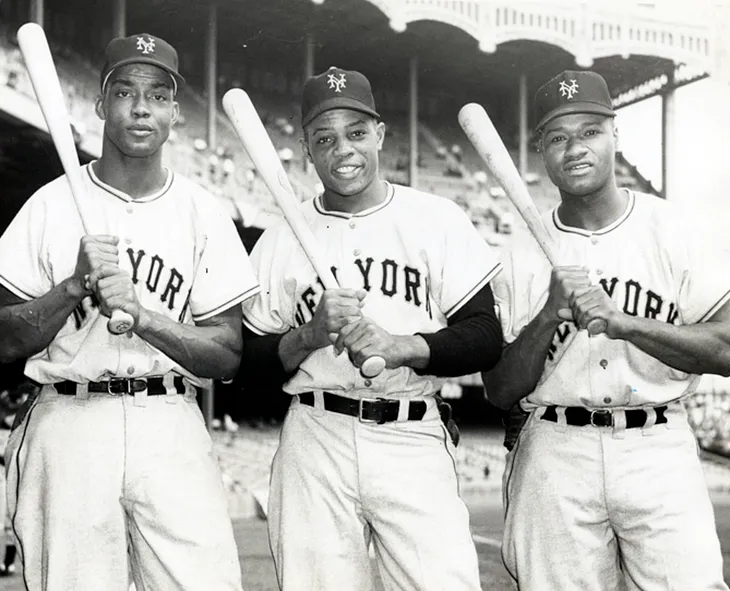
[109,485]
[605,508]
[337,484]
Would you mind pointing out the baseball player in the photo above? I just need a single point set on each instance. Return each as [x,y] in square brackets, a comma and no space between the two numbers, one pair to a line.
[368,459]
[604,488]
[112,469]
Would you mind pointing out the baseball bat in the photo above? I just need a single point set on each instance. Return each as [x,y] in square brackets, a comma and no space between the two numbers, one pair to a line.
[44,78]
[481,132]
[253,135]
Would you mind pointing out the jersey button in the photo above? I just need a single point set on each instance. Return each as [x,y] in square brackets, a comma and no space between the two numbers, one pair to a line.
[352,225]
[127,241]
[130,370]
[604,363]
[356,252]
[594,240]
[368,383]
[599,271]
[607,400]
[129,210]
[129,334]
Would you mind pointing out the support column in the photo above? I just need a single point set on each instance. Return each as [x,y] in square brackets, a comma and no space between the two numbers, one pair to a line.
[119,18]
[308,56]
[669,165]
[36,11]
[522,125]
[211,80]
[413,123]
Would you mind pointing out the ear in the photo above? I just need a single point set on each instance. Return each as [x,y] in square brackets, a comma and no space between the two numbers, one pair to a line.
[305,148]
[616,138]
[175,113]
[99,107]
[380,133]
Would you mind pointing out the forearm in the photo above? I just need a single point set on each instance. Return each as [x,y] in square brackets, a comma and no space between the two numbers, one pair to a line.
[522,363]
[205,351]
[295,346]
[691,348]
[29,327]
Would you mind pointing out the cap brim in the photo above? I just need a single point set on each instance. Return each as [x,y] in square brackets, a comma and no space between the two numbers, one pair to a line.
[179,80]
[573,108]
[338,102]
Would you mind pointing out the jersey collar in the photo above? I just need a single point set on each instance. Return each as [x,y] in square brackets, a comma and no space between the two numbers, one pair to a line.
[612,226]
[124,196]
[319,206]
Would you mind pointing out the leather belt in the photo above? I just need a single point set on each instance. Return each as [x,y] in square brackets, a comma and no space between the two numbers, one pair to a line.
[367,410]
[578,416]
[117,386]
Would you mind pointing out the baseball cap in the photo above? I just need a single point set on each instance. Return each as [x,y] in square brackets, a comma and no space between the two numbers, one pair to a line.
[572,92]
[336,89]
[141,49]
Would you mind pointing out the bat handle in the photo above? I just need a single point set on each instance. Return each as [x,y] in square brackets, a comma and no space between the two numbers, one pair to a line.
[597,326]
[120,322]
[372,367]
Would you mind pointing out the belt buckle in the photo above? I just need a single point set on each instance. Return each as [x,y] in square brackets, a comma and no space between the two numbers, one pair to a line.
[117,386]
[359,409]
[602,412]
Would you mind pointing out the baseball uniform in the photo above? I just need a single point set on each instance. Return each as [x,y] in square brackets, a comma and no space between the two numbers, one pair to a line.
[89,472]
[604,486]
[339,481]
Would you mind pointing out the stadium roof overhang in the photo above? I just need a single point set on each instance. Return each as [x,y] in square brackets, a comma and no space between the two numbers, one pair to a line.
[476,48]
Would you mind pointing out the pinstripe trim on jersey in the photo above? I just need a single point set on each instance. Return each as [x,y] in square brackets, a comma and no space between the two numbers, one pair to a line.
[229,304]
[720,303]
[346,216]
[124,196]
[15,289]
[486,279]
[253,327]
[580,231]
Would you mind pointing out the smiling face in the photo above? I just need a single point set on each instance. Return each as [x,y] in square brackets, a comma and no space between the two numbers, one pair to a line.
[579,152]
[343,145]
[138,108]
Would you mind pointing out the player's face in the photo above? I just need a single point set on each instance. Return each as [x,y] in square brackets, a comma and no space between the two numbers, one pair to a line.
[138,109]
[343,145]
[579,152]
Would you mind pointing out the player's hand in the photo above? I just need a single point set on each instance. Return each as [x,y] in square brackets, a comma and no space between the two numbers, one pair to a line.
[95,252]
[593,303]
[364,339]
[337,308]
[564,282]
[115,291]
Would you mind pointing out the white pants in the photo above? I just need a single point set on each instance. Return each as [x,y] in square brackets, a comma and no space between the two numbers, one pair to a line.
[102,487]
[338,484]
[595,508]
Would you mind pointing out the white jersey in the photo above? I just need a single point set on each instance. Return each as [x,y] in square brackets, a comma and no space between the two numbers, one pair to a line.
[180,248]
[417,255]
[654,262]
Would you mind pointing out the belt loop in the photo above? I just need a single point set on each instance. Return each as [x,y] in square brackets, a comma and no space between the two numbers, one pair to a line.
[561,425]
[619,424]
[650,420]
[318,402]
[403,408]
[82,393]
[168,382]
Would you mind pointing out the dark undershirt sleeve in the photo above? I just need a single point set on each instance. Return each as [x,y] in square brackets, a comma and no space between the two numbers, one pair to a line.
[472,341]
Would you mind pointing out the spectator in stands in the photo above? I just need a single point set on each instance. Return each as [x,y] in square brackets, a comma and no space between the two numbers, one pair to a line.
[456,152]
[286,155]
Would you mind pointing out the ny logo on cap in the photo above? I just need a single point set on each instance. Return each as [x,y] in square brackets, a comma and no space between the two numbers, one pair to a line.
[145,47]
[568,90]
[337,83]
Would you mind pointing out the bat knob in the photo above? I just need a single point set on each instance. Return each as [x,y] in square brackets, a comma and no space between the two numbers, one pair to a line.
[373,367]
[120,322]
[597,326]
